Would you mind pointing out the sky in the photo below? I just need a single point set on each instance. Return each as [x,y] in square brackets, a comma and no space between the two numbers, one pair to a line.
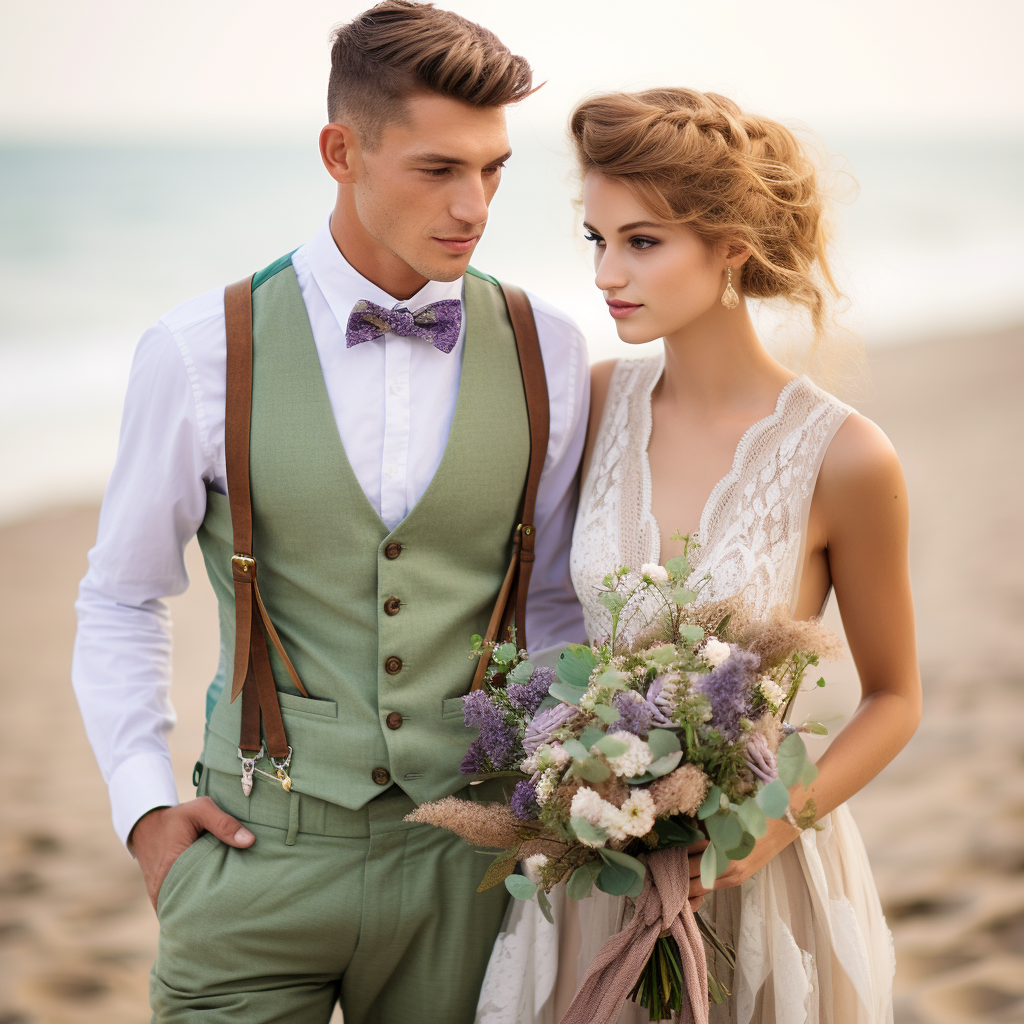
[231,70]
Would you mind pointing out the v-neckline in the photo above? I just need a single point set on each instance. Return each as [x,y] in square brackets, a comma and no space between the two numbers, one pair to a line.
[727,480]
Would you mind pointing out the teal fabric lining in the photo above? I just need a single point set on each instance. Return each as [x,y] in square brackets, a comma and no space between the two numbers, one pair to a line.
[275,268]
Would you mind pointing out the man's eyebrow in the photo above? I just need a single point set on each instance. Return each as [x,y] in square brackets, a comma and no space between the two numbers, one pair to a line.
[454,161]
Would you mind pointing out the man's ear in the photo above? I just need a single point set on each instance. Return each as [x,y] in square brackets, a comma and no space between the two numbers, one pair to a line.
[340,152]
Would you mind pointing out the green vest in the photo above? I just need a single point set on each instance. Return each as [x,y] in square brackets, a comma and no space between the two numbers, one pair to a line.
[328,564]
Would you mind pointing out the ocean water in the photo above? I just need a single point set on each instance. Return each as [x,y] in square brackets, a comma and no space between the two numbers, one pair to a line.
[96,243]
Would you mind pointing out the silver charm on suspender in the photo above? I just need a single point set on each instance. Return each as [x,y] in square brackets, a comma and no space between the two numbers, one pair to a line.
[248,767]
[280,771]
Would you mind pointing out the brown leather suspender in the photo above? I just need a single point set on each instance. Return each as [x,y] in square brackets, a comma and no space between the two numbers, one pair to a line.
[512,596]
[252,676]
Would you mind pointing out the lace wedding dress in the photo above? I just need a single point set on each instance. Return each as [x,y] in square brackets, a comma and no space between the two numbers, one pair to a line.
[812,946]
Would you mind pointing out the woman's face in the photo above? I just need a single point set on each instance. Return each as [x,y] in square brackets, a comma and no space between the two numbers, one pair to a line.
[656,277]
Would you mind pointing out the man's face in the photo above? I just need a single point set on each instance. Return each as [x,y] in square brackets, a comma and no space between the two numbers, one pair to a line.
[424,192]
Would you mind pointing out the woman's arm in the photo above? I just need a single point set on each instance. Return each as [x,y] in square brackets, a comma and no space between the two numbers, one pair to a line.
[860,519]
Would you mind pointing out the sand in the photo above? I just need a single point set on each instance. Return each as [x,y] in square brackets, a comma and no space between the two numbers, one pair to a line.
[944,824]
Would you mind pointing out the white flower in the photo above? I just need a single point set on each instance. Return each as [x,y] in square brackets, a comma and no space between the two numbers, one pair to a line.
[547,755]
[633,761]
[638,813]
[546,786]
[532,866]
[774,694]
[715,652]
[658,573]
[588,804]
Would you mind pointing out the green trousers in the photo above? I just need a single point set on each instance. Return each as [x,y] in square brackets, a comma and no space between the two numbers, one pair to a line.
[328,904]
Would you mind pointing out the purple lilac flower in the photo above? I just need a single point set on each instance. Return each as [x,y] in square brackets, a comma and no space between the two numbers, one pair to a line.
[760,759]
[662,706]
[635,714]
[727,689]
[526,697]
[497,740]
[524,801]
[475,760]
[543,728]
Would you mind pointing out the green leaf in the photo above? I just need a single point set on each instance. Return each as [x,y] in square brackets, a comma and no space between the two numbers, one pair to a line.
[520,887]
[773,799]
[792,757]
[499,869]
[712,864]
[590,736]
[594,770]
[742,848]
[724,829]
[625,860]
[662,742]
[821,681]
[575,665]
[720,628]
[692,634]
[576,750]
[548,702]
[672,832]
[545,905]
[613,679]
[752,818]
[607,713]
[581,881]
[711,803]
[663,654]
[477,641]
[621,873]
[683,597]
[816,728]
[566,693]
[504,653]
[521,673]
[656,769]
[610,746]
[679,567]
[809,774]
[613,601]
[585,831]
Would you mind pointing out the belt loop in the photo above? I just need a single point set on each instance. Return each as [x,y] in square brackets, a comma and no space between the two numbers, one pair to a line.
[293,818]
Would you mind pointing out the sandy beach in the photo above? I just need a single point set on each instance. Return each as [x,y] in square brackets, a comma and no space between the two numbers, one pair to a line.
[944,824]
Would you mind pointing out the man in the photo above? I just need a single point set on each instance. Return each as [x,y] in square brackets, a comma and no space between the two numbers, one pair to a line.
[387,465]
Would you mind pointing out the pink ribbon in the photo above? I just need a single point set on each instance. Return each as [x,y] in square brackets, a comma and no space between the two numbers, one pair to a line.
[614,971]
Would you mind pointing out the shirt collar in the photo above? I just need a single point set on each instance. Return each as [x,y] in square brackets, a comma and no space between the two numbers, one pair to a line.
[343,286]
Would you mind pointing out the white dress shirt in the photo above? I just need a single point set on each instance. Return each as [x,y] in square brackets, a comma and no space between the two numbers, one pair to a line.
[393,400]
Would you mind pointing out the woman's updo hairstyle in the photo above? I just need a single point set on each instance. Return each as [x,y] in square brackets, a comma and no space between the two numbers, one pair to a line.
[696,158]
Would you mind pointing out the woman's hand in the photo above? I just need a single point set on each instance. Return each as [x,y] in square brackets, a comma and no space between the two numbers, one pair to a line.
[779,835]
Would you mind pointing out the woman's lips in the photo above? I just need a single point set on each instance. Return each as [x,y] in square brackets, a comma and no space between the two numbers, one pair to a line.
[459,245]
[620,310]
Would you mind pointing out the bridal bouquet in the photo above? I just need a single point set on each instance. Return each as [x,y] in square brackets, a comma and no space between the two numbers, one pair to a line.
[670,731]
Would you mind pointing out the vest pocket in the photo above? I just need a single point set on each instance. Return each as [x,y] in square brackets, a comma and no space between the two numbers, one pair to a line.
[451,708]
[308,705]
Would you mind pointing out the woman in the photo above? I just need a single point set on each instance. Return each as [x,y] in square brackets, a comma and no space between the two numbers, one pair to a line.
[692,205]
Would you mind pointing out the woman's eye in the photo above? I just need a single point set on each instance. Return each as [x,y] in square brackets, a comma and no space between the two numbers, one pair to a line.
[591,237]
[643,243]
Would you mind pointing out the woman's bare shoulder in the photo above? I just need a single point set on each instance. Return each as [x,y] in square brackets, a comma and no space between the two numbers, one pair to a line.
[600,382]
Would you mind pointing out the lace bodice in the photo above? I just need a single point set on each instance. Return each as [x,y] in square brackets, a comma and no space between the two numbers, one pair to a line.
[753,526]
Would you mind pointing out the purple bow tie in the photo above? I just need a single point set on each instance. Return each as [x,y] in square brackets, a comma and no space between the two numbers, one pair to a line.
[436,322]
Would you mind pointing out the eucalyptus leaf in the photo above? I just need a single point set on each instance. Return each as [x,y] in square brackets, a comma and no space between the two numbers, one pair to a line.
[610,746]
[816,728]
[672,832]
[585,831]
[742,848]
[607,713]
[500,868]
[656,769]
[549,702]
[809,774]
[576,750]
[520,887]
[693,634]
[663,654]
[590,736]
[613,679]
[634,865]
[683,597]
[565,693]
[521,673]
[594,770]
[711,803]
[504,653]
[615,879]
[613,601]
[581,881]
[773,799]
[679,567]
[724,829]
[791,758]
[545,905]
[662,742]
[712,864]
[752,818]
[575,665]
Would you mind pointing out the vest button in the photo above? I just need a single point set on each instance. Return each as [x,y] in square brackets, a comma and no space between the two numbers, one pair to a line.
[381,776]
[393,550]
[394,720]
[393,665]
[391,605]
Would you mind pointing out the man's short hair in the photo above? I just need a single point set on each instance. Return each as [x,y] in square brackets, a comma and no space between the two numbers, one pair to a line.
[399,48]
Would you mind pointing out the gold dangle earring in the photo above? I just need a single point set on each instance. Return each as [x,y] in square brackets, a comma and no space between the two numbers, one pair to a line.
[729,297]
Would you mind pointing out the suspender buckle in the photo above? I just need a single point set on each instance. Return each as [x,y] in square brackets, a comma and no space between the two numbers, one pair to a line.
[244,562]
